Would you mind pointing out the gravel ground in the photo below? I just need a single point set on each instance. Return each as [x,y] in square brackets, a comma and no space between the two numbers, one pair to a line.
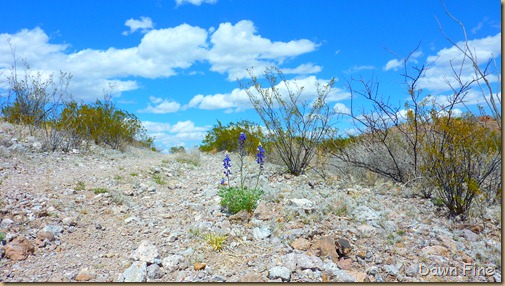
[105,216]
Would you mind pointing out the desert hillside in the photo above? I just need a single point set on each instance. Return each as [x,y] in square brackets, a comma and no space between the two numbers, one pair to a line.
[102,215]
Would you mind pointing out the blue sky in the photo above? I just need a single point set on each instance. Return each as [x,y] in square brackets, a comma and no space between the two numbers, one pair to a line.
[175,62]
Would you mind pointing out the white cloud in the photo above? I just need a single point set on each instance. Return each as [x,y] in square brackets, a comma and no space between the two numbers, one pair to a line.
[151,126]
[393,64]
[230,49]
[237,48]
[194,2]
[356,68]
[168,135]
[144,25]
[440,68]
[341,108]
[307,68]
[238,100]
[161,106]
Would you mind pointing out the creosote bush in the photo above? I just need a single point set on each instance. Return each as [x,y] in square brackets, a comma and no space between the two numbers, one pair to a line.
[462,159]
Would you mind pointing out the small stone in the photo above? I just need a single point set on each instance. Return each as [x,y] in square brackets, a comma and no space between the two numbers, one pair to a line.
[300,244]
[147,252]
[434,250]
[345,263]
[251,277]
[6,223]
[154,271]
[132,218]
[470,235]
[84,275]
[137,272]
[174,262]
[366,230]
[68,221]
[391,269]
[304,261]
[324,247]
[467,259]
[412,270]
[358,276]
[304,204]
[217,278]
[199,266]
[242,215]
[262,211]
[43,235]
[279,272]
[55,229]
[19,249]
[260,233]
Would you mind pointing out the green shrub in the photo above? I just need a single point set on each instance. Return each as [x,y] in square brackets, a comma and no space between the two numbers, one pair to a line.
[177,149]
[100,191]
[236,199]
[224,138]
[462,159]
[103,123]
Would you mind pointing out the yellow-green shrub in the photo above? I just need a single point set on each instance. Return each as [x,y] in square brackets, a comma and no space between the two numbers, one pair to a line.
[462,160]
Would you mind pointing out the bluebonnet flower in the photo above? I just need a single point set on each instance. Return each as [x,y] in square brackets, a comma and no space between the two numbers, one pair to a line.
[260,156]
[241,140]
[227,165]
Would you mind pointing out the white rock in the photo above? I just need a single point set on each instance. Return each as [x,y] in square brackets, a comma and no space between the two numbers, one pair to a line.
[279,272]
[174,262]
[261,232]
[147,252]
[137,272]
[302,203]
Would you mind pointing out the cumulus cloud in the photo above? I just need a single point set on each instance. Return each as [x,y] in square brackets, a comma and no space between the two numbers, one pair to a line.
[144,25]
[237,47]
[168,135]
[229,49]
[194,2]
[161,106]
[238,100]
[341,108]
[440,69]
[307,68]
[395,64]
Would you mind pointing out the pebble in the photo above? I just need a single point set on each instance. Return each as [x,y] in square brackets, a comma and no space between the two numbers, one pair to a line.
[279,272]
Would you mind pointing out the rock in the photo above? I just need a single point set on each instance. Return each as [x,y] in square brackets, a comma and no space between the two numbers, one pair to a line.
[43,235]
[6,223]
[345,263]
[146,252]
[242,215]
[300,244]
[217,278]
[366,230]
[68,221]
[199,266]
[391,269]
[304,204]
[340,275]
[358,276]
[84,275]
[412,270]
[260,233]
[434,250]
[137,272]
[174,262]
[469,235]
[17,147]
[363,213]
[467,259]
[251,277]
[447,242]
[343,247]
[262,211]
[131,218]
[279,272]
[497,277]
[154,271]
[54,229]
[325,247]
[304,261]
[19,249]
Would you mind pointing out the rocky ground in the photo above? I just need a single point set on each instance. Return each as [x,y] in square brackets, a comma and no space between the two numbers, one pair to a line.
[103,216]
